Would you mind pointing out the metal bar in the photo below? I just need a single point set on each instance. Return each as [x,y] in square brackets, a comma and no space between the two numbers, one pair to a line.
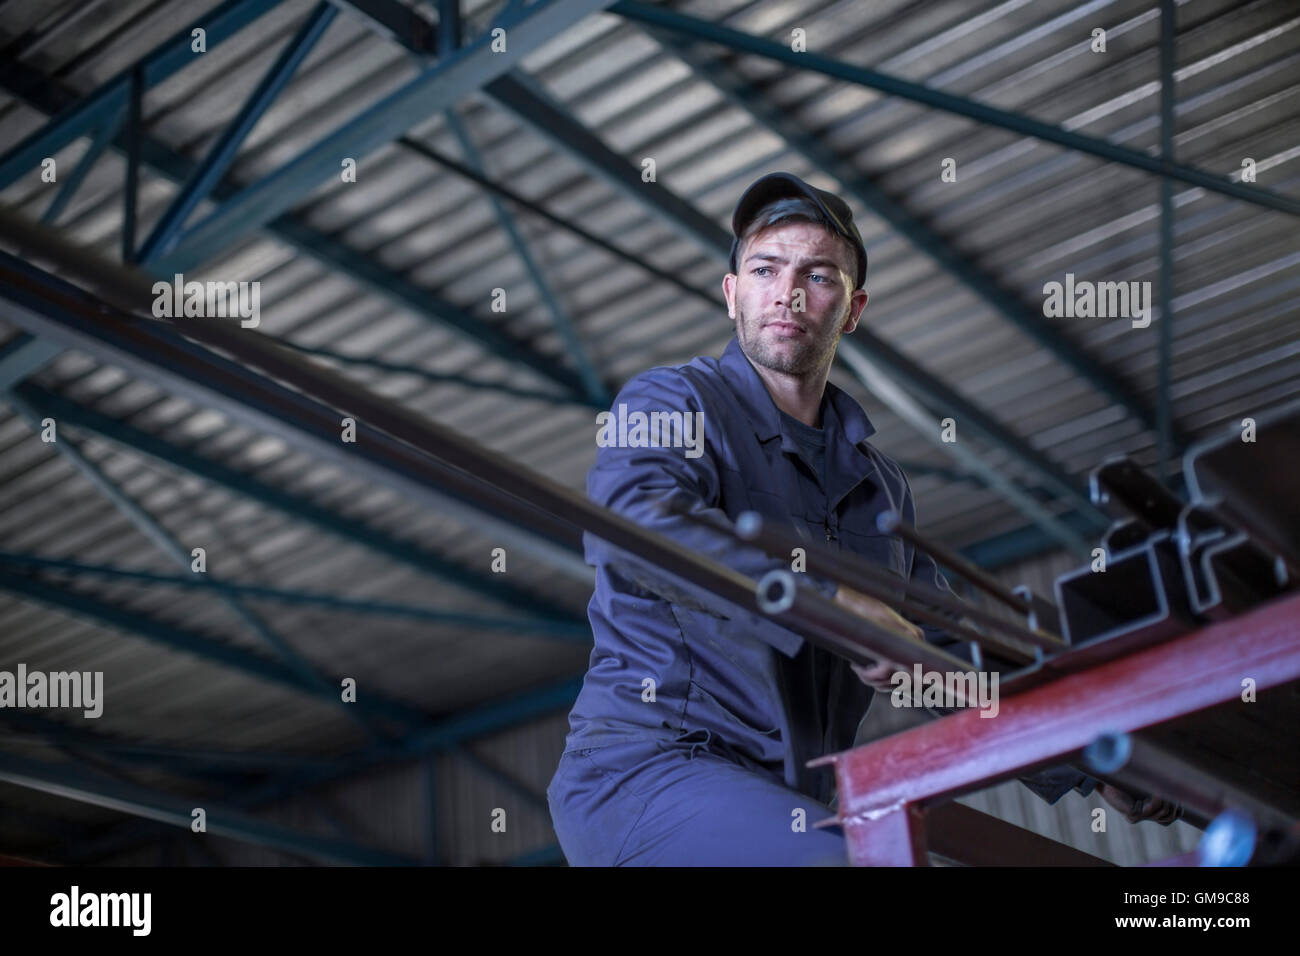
[430,776]
[529,102]
[891,522]
[494,476]
[49,97]
[1164,413]
[94,789]
[812,615]
[146,524]
[709,32]
[437,88]
[877,372]
[103,136]
[393,21]
[295,507]
[973,838]
[23,355]
[450,32]
[1042,725]
[222,153]
[441,377]
[51,307]
[663,275]
[563,321]
[1140,765]
[130,198]
[855,572]
[169,635]
[566,629]
[160,63]
[928,242]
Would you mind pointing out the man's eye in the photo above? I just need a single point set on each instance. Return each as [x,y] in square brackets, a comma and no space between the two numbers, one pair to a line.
[819,277]
[761,269]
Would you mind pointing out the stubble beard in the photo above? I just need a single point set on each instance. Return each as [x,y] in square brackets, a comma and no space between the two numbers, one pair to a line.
[810,356]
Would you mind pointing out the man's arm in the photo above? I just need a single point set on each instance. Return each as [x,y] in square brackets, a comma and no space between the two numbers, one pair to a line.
[638,482]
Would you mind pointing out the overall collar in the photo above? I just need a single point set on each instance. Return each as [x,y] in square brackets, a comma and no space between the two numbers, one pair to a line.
[845,423]
[840,412]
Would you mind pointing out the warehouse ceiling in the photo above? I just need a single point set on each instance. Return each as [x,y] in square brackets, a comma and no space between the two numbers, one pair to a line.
[521,236]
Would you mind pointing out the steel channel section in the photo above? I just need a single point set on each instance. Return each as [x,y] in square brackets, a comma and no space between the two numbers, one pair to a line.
[1141,597]
[1253,482]
[883,785]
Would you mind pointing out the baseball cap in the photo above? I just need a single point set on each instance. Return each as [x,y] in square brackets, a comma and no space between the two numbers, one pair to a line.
[775,186]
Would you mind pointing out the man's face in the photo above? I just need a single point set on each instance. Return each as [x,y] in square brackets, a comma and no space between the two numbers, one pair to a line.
[793,297]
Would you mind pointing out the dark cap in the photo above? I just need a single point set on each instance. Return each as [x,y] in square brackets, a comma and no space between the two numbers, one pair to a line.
[785,186]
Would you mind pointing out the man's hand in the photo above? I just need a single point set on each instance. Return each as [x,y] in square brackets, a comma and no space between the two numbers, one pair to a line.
[881,614]
[1154,808]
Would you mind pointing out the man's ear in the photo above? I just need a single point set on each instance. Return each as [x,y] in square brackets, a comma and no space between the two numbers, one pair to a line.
[857,304]
[729,292]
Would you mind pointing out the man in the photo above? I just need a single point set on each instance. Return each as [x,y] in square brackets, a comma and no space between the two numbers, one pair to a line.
[696,718]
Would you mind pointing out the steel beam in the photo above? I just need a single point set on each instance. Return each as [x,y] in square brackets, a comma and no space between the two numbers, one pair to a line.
[58,310]
[222,154]
[89,111]
[441,86]
[99,142]
[300,509]
[568,630]
[563,321]
[147,525]
[716,33]
[98,790]
[1164,413]
[23,355]
[393,21]
[48,96]
[189,642]
[881,781]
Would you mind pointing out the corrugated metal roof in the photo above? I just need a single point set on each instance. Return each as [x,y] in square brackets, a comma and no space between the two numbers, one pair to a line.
[1025,212]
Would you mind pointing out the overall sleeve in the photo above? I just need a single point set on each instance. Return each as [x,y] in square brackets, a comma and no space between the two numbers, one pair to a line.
[635,482]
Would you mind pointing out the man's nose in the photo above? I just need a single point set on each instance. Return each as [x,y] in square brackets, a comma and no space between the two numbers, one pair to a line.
[785,289]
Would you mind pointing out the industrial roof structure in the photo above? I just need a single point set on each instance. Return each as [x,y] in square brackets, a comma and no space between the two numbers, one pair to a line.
[584,174]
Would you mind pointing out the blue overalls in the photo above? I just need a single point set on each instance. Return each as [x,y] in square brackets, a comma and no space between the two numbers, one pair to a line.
[688,740]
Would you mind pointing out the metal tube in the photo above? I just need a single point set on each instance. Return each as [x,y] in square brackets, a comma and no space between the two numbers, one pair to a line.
[1144,767]
[853,571]
[891,522]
